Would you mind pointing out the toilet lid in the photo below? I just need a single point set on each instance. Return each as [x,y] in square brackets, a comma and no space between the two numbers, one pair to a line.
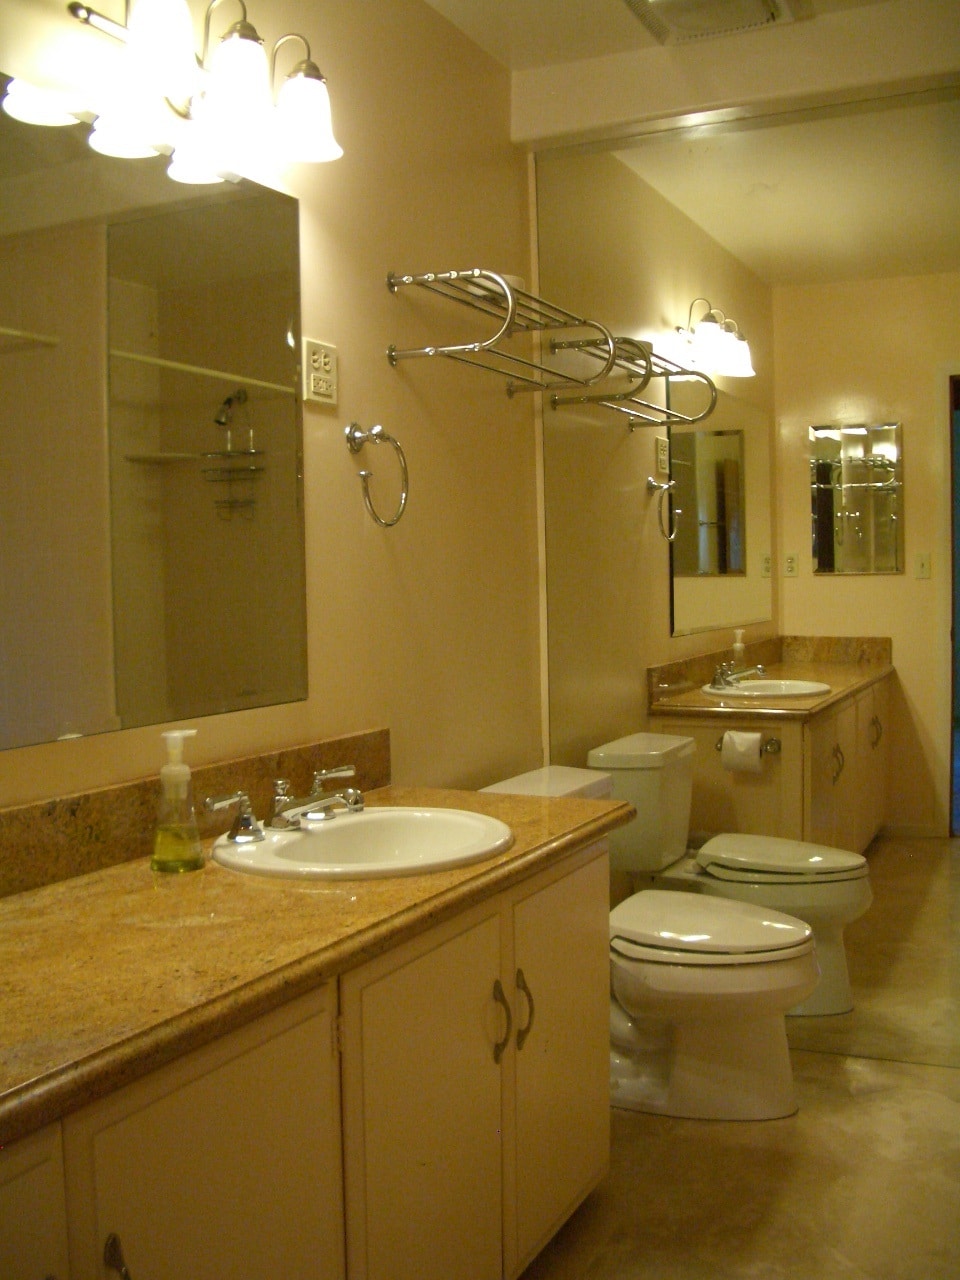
[734,856]
[692,928]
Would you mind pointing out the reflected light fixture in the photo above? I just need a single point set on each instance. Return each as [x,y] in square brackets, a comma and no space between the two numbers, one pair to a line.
[31,104]
[715,344]
[210,113]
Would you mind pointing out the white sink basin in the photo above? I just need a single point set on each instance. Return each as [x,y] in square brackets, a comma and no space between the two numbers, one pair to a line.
[382,841]
[770,689]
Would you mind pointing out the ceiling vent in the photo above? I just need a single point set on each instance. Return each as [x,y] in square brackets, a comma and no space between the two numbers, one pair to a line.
[678,21]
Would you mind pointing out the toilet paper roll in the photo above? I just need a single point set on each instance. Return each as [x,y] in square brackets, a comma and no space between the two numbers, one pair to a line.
[741,752]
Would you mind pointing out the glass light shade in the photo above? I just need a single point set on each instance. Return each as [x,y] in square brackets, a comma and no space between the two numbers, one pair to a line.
[238,87]
[120,136]
[303,121]
[709,343]
[738,363]
[195,160]
[160,45]
[32,105]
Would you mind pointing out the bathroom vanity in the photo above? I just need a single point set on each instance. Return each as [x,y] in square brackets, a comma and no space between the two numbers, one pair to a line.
[239,1077]
[824,759]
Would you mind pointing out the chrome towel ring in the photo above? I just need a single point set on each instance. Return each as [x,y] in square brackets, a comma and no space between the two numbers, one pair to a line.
[356,439]
[663,488]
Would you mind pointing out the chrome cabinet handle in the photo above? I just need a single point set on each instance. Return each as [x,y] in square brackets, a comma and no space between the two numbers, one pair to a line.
[524,1031]
[877,727]
[113,1257]
[501,999]
[840,762]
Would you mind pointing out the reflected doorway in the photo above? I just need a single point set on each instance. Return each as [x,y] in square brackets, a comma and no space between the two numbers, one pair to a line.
[955,616]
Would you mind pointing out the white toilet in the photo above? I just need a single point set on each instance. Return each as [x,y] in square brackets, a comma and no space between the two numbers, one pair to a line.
[699,987]
[827,888]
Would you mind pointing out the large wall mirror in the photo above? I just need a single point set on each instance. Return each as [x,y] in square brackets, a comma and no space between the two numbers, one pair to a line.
[856,498]
[151,531]
[625,273]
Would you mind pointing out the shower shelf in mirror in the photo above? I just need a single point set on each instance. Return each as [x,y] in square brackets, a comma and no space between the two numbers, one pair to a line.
[221,374]
[23,339]
[611,372]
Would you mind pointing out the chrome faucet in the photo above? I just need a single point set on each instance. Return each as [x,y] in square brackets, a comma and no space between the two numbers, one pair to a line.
[727,676]
[319,805]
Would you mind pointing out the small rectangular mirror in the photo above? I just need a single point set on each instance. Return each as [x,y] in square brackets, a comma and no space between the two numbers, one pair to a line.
[856,488]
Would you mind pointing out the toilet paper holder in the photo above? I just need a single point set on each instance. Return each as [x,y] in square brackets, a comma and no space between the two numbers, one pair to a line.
[770,747]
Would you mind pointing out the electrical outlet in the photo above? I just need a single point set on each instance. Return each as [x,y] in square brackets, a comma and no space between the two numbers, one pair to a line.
[765,565]
[791,564]
[663,455]
[320,383]
[922,565]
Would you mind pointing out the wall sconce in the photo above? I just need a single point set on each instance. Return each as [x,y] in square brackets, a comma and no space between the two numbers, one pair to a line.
[715,344]
[209,112]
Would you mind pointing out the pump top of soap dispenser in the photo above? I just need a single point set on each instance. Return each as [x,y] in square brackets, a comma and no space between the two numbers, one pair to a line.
[175,774]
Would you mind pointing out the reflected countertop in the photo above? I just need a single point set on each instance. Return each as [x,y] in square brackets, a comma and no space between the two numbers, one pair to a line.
[844,678]
[108,975]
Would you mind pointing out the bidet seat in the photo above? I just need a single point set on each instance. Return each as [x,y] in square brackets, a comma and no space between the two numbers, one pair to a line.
[768,859]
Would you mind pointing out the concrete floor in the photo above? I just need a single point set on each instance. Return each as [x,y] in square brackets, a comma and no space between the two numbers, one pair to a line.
[864,1182]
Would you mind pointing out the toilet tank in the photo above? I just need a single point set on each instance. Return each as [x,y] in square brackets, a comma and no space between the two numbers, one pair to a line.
[556,780]
[654,773]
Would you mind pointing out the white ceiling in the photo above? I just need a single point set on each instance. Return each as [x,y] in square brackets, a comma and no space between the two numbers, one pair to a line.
[833,195]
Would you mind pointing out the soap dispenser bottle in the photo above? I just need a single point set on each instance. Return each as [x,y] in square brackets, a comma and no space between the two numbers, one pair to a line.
[738,649]
[176,846]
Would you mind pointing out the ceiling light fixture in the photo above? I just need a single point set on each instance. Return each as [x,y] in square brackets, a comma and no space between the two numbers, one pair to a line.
[715,344]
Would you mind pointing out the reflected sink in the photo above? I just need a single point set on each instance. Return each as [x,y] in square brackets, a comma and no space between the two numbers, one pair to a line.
[382,841]
[770,689]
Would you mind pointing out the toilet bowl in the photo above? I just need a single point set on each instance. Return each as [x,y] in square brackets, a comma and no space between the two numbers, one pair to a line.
[699,986]
[827,888]
[699,990]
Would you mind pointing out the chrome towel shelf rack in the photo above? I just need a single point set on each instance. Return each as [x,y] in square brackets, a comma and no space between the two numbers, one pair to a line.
[589,365]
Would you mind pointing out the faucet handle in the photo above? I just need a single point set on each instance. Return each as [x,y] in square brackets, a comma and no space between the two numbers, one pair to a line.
[246,828]
[322,776]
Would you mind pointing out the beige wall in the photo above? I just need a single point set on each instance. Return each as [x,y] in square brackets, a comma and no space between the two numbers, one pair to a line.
[613,249]
[430,628]
[878,351]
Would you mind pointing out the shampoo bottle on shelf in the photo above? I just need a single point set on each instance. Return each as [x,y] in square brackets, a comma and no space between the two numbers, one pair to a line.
[176,845]
[738,647]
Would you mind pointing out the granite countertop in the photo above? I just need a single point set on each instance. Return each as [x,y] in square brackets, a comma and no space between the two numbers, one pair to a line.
[108,975]
[843,678]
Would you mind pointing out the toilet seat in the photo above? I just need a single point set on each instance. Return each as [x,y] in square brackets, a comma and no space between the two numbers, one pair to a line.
[772,860]
[663,926]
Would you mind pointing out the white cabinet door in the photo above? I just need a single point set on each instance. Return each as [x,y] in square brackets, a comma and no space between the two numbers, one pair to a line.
[33,1218]
[831,769]
[223,1165]
[476,1082]
[421,1089]
[562,1063]
[872,743]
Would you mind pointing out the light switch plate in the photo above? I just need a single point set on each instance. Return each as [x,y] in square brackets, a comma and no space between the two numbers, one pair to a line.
[320,381]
